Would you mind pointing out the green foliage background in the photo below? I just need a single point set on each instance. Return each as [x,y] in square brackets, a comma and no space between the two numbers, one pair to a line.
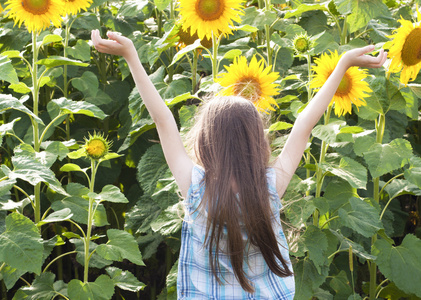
[351,212]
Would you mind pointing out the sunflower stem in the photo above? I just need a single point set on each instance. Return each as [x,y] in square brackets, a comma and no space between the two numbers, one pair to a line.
[309,90]
[380,125]
[90,220]
[172,15]
[35,96]
[35,88]
[66,92]
[319,171]
[159,21]
[344,33]
[269,49]
[194,70]
[309,97]
[337,23]
[65,81]
[215,44]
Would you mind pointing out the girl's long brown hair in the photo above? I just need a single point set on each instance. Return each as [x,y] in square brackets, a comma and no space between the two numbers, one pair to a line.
[231,145]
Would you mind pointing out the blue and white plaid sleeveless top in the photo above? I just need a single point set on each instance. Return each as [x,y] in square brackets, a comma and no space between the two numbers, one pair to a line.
[195,279]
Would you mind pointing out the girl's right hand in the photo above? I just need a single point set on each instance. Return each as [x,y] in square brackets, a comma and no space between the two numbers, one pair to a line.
[358,58]
[116,45]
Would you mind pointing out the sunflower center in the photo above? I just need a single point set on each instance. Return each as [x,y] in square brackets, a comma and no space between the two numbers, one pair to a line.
[411,50]
[96,148]
[209,10]
[36,7]
[301,44]
[248,88]
[344,86]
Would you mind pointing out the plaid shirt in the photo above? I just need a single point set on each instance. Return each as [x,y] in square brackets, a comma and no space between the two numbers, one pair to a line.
[195,279]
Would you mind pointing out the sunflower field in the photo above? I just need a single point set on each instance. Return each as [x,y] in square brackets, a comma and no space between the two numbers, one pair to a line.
[88,206]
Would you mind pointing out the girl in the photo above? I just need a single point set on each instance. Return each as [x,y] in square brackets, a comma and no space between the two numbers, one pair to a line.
[232,244]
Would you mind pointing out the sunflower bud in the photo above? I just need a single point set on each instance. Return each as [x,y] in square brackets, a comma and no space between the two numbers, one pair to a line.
[96,146]
[302,43]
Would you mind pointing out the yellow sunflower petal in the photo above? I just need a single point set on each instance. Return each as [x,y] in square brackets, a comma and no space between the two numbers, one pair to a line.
[73,7]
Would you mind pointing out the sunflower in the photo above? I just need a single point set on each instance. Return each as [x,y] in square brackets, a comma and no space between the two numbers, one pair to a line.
[253,82]
[205,17]
[37,14]
[73,7]
[352,89]
[405,50]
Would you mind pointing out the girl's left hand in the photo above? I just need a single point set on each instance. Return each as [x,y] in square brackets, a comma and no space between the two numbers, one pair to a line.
[358,58]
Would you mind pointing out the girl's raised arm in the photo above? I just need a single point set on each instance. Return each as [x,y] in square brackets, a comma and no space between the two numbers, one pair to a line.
[287,162]
[175,154]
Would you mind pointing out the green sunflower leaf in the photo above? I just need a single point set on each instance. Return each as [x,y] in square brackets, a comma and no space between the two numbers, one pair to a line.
[302,8]
[280,125]
[121,245]
[307,278]
[42,288]
[54,61]
[413,173]
[101,289]
[111,193]
[33,168]
[66,106]
[349,170]
[21,245]
[383,158]
[362,217]
[401,264]
[57,216]
[125,280]
[7,71]
[9,102]
[79,208]
[169,220]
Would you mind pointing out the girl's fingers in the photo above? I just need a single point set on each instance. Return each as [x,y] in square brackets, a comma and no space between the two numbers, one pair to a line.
[364,50]
[96,38]
[114,36]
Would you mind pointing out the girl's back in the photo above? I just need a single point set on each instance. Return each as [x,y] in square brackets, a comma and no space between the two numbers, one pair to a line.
[195,276]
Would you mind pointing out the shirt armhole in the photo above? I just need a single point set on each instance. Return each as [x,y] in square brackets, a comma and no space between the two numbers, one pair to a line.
[193,194]
[272,189]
